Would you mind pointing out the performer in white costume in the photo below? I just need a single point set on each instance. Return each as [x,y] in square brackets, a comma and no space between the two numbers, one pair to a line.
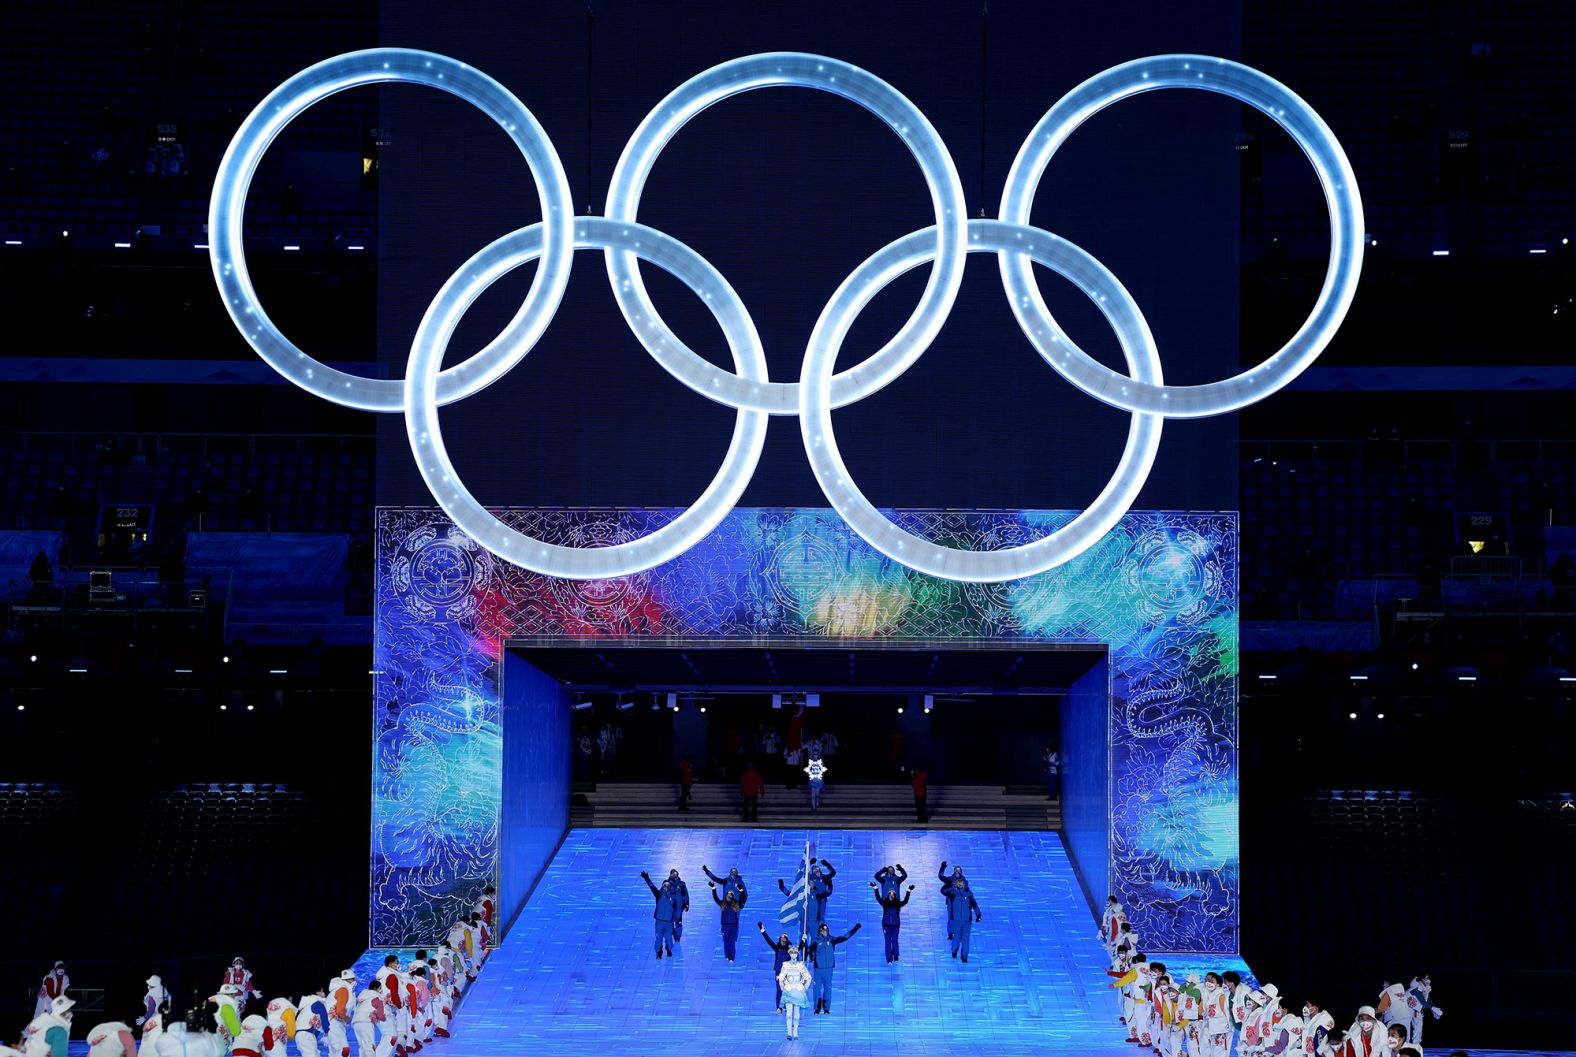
[113,1039]
[341,1008]
[227,1013]
[368,1020]
[794,978]
[239,977]
[1422,992]
[250,1042]
[280,1015]
[311,1023]
[156,1002]
[54,985]
[49,1034]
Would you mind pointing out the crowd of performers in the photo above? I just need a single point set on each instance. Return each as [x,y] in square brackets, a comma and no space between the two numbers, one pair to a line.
[1222,1014]
[804,971]
[400,1011]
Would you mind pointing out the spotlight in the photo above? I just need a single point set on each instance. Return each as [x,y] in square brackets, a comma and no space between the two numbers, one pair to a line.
[225,659]
[33,658]
[1381,715]
[580,706]
[252,708]
[1353,715]
[703,709]
[21,708]
[900,710]
[224,708]
[65,234]
[1414,666]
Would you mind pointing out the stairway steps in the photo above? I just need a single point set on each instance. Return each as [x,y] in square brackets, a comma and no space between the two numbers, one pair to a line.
[654,805]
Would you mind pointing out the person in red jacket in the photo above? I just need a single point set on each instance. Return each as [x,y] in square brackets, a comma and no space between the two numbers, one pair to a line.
[686,779]
[921,792]
[751,785]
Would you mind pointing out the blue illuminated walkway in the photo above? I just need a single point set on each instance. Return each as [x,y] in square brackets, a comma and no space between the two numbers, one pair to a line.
[577,974]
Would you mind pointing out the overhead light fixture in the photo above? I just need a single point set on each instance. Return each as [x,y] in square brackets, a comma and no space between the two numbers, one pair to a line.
[1269,678]
[930,703]
[1359,678]
[1352,715]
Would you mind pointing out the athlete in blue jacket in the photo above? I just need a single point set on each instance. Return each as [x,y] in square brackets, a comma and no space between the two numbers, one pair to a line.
[731,904]
[662,914]
[890,879]
[733,882]
[892,918]
[780,948]
[823,960]
[947,887]
[962,912]
[680,903]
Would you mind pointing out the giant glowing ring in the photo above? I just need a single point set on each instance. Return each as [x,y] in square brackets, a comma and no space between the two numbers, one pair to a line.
[1286,109]
[820,444]
[381,66]
[794,69]
[581,563]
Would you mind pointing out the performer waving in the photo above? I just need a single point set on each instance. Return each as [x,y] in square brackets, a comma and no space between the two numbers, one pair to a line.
[731,905]
[892,918]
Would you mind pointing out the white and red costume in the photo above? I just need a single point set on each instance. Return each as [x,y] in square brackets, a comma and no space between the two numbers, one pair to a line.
[53,986]
[367,1021]
[1422,994]
[280,1016]
[341,1008]
[239,977]
[112,1040]
[249,1043]
[1215,1022]
[1365,1044]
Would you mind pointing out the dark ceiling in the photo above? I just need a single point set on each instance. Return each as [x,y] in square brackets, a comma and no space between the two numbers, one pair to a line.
[769,668]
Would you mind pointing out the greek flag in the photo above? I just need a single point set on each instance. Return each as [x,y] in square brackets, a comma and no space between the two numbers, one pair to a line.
[796,905]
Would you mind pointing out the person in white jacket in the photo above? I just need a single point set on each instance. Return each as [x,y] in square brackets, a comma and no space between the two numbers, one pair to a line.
[280,1015]
[794,979]
[1394,1005]
[176,1041]
[156,1002]
[49,1034]
[1422,993]
[341,1008]
[458,935]
[1215,1019]
[369,1019]
[113,1039]
[54,985]
[249,1043]
[239,977]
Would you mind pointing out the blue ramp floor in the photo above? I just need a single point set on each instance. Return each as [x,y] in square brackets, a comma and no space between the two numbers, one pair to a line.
[577,973]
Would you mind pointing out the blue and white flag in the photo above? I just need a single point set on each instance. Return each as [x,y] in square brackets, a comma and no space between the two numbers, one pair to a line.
[796,904]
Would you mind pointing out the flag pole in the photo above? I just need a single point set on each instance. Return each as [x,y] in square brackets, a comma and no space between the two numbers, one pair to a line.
[804,915]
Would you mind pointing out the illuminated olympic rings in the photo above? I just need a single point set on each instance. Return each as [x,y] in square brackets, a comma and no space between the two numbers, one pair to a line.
[945,244]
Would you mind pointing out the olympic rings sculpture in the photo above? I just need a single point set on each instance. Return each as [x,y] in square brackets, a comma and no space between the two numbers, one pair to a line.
[945,244]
